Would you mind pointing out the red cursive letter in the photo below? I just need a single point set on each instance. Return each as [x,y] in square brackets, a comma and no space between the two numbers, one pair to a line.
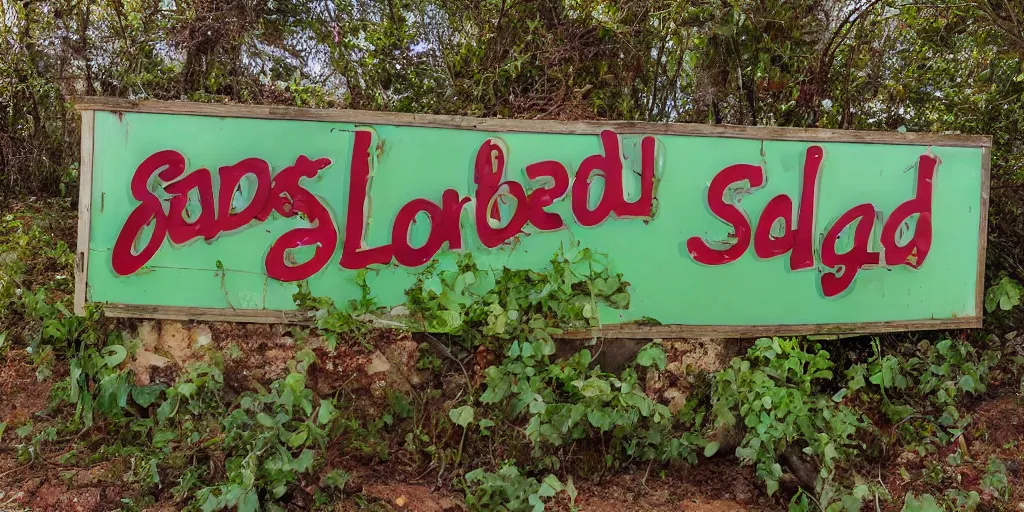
[803,250]
[181,231]
[230,177]
[847,265]
[354,255]
[914,253]
[289,198]
[546,196]
[489,170]
[123,258]
[641,207]
[699,249]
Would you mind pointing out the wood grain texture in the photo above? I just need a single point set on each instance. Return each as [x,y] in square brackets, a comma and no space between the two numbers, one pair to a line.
[749,331]
[986,178]
[258,316]
[362,117]
[611,331]
[84,212]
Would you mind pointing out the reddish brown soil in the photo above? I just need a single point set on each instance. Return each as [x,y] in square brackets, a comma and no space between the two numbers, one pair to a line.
[42,485]
[997,430]
[21,394]
[714,485]
[414,498]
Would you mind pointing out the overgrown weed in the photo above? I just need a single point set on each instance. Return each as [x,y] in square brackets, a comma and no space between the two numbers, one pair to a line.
[511,432]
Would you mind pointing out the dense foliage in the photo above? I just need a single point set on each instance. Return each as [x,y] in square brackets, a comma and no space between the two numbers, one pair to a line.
[945,66]
[513,431]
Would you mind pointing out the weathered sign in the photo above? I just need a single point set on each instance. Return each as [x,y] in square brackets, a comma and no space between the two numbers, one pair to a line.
[217,212]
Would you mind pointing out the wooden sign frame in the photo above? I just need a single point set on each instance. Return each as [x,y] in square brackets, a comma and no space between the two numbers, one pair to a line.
[88,108]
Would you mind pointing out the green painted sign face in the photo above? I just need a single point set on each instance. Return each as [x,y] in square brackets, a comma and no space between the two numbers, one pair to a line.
[200,211]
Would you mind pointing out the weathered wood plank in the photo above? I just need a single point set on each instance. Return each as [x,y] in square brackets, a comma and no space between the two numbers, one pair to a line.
[260,316]
[611,331]
[84,212]
[529,126]
[986,179]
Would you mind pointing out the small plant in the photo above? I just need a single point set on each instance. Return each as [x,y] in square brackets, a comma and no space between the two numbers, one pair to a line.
[994,481]
[515,305]
[509,490]
[959,499]
[1004,295]
[776,394]
[270,440]
[921,387]
[924,503]
[427,359]
[338,324]
[568,401]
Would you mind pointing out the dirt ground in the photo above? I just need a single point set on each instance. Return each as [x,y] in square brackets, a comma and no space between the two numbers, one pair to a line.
[43,483]
[720,484]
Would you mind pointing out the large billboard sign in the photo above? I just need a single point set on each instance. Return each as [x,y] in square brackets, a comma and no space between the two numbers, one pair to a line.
[198,211]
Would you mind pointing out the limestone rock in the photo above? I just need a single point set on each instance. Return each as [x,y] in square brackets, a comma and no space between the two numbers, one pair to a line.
[176,341]
[144,363]
[149,335]
[378,364]
[200,336]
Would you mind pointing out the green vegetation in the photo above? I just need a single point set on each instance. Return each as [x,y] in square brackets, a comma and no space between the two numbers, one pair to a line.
[512,434]
[500,416]
[778,394]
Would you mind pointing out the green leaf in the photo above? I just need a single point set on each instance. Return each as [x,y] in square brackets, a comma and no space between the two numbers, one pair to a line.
[187,389]
[265,420]
[619,300]
[461,416]
[113,355]
[166,409]
[76,373]
[652,355]
[897,413]
[527,349]
[830,452]
[966,383]
[445,321]
[249,502]
[295,381]
[1006,294]
[304,460]
[297,439]
[162,437]
[499,385]
[595,386]
[24,430]
[588,310]
[551,481]
[926,503]
[147,395]
[851,503]
[546,347]
[711,448]
[326,412]
[600,419]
